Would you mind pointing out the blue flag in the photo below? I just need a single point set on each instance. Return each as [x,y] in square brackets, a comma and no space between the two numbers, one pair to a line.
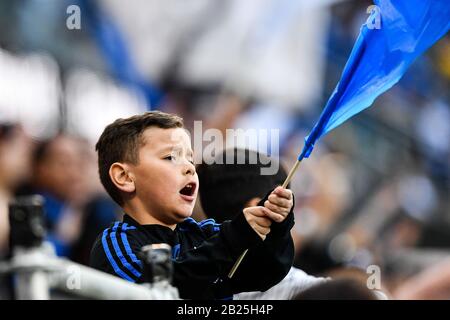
[397,32]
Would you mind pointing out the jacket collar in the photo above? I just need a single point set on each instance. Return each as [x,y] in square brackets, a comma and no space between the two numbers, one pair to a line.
[156,231]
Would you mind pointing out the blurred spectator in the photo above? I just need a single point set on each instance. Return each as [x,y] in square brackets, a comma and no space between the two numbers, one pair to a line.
[432,283]
[340,289]
[57,175]
[75,213]
[15,156]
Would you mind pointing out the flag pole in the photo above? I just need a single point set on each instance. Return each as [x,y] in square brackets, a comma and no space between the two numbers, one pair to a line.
[291,174]
[285,183]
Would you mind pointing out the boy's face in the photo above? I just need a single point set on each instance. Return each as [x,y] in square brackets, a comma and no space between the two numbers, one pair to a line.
[165,179]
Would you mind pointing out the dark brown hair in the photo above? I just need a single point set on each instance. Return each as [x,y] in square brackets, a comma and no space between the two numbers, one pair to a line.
[121,140]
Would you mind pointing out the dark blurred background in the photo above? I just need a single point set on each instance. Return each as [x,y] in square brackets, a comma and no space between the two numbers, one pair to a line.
[375,191]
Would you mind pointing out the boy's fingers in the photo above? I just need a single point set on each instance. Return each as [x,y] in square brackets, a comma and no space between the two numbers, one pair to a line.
[275,208]
[256,211]
[273,215]
[284,193]
[270,211]
[262,230]
[281,202]
[263,222]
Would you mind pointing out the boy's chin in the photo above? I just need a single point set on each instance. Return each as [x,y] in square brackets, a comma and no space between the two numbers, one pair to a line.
[182,215]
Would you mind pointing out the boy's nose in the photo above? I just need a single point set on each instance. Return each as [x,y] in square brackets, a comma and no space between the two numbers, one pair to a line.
[189,169]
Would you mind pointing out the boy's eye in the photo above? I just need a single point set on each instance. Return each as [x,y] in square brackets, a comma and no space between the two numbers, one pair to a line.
[173,158]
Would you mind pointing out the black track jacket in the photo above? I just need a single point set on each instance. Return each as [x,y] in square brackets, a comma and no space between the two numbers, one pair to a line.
[202,253]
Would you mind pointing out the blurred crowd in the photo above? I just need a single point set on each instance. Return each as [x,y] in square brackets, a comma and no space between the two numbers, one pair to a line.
[374,192]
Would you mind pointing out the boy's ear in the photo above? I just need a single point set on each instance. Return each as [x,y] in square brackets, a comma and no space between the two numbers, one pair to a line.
[122,178]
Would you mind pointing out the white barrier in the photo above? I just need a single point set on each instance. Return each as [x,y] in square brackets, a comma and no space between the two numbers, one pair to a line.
[37,271]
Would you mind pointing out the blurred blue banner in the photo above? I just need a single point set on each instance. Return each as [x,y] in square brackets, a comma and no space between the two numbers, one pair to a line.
[396,33]
[116,53]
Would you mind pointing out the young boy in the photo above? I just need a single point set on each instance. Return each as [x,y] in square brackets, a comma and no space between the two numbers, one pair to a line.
[252,186]
[146,166]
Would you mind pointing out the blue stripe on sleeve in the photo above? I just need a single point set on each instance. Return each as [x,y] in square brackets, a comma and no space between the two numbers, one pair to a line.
[127,246]
[113,263]
[119,253]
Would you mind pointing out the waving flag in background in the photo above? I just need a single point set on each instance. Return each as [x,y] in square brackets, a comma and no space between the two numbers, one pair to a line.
[397,32]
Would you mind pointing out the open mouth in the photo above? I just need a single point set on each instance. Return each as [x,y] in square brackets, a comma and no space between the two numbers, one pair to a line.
[188,190]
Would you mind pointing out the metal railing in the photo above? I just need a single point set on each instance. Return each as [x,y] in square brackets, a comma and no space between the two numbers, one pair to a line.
[38,273]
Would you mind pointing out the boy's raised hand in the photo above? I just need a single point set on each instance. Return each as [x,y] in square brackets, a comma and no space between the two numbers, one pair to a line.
[258,220]
[276,208]
[279,204]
